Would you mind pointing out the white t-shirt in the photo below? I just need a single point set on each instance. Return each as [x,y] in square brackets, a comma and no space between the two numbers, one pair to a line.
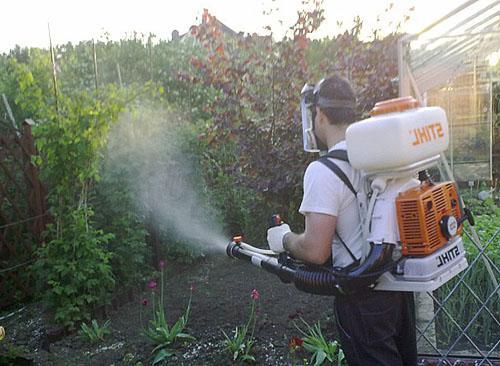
[325,193]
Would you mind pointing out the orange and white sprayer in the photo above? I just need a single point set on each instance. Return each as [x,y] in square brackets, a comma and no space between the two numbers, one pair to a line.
[412,225]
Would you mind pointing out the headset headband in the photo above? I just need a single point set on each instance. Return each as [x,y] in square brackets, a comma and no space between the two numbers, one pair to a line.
[335,103]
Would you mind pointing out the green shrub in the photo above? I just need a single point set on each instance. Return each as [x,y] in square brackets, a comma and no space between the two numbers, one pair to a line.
[74,269]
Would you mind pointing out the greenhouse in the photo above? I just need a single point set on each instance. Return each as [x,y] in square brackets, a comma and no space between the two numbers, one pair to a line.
[454,63]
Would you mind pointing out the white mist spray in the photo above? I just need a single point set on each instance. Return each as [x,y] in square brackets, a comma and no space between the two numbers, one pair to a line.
[146,144]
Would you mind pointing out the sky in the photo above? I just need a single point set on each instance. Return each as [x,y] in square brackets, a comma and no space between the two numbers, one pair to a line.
[25,22]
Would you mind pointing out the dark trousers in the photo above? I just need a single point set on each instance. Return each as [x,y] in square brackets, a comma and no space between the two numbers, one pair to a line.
[377,328]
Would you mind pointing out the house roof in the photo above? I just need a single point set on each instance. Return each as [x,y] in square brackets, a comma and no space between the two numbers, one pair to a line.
[224,29]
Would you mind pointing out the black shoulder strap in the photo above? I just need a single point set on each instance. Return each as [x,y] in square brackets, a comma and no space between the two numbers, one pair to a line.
[340,155]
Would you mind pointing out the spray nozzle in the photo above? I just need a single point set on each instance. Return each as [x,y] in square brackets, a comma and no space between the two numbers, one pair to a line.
[237,239]
[234,246]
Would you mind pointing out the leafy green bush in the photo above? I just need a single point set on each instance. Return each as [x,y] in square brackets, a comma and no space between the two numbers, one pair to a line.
[74,269]
[73,266]
[481,207]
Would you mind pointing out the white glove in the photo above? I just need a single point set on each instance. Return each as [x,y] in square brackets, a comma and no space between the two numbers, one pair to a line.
[275,237]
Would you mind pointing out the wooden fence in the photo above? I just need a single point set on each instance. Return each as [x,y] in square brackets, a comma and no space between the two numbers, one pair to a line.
[23,211]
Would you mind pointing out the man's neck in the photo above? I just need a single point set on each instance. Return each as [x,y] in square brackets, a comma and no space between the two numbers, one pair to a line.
[337,134]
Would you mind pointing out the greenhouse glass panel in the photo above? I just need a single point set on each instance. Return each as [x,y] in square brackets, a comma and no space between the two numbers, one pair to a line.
[453,63]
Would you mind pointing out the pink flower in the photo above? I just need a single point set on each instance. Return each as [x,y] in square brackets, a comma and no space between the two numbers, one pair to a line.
[145,302]
[192,287]
[152,284]
[255,294]
[162,264]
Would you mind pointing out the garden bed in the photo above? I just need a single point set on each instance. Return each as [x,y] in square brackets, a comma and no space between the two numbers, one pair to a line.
[220,301]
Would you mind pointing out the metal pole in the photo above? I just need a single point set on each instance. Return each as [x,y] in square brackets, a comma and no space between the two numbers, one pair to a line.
[453,12]
[404,85]
[490,125]
[474,90]
[54,73]
[94,55]
[414,85]
[9,112]
[150,58]
[452,157]
[119,75]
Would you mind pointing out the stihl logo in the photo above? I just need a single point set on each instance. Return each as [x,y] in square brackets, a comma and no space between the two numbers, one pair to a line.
[427,133]
[448,256]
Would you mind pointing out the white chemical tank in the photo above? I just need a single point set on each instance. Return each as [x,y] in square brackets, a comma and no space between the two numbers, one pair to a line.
[398,134]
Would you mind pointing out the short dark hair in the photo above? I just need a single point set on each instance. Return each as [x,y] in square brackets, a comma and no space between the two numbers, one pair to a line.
[336,87]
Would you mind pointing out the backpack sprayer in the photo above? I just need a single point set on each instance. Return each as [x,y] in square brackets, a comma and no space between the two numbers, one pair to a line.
[413,226]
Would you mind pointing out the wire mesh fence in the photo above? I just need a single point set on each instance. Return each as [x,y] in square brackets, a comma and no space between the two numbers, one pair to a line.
[465,319]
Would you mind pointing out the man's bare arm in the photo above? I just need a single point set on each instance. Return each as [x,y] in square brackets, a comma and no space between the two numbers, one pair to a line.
[314,245]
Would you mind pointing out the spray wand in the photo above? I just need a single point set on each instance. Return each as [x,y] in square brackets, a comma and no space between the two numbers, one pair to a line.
[314,279]
[308,278]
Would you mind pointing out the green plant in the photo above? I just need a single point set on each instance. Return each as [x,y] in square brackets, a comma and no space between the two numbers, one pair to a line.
[240,344]
[73,269]
[159,332]
[314,341]
[12,355]
[95,332]
[478,285]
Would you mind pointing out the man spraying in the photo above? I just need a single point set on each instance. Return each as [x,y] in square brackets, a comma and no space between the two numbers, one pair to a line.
[375,327]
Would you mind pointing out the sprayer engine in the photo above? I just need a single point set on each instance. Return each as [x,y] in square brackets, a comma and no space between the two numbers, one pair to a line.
[427,218]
